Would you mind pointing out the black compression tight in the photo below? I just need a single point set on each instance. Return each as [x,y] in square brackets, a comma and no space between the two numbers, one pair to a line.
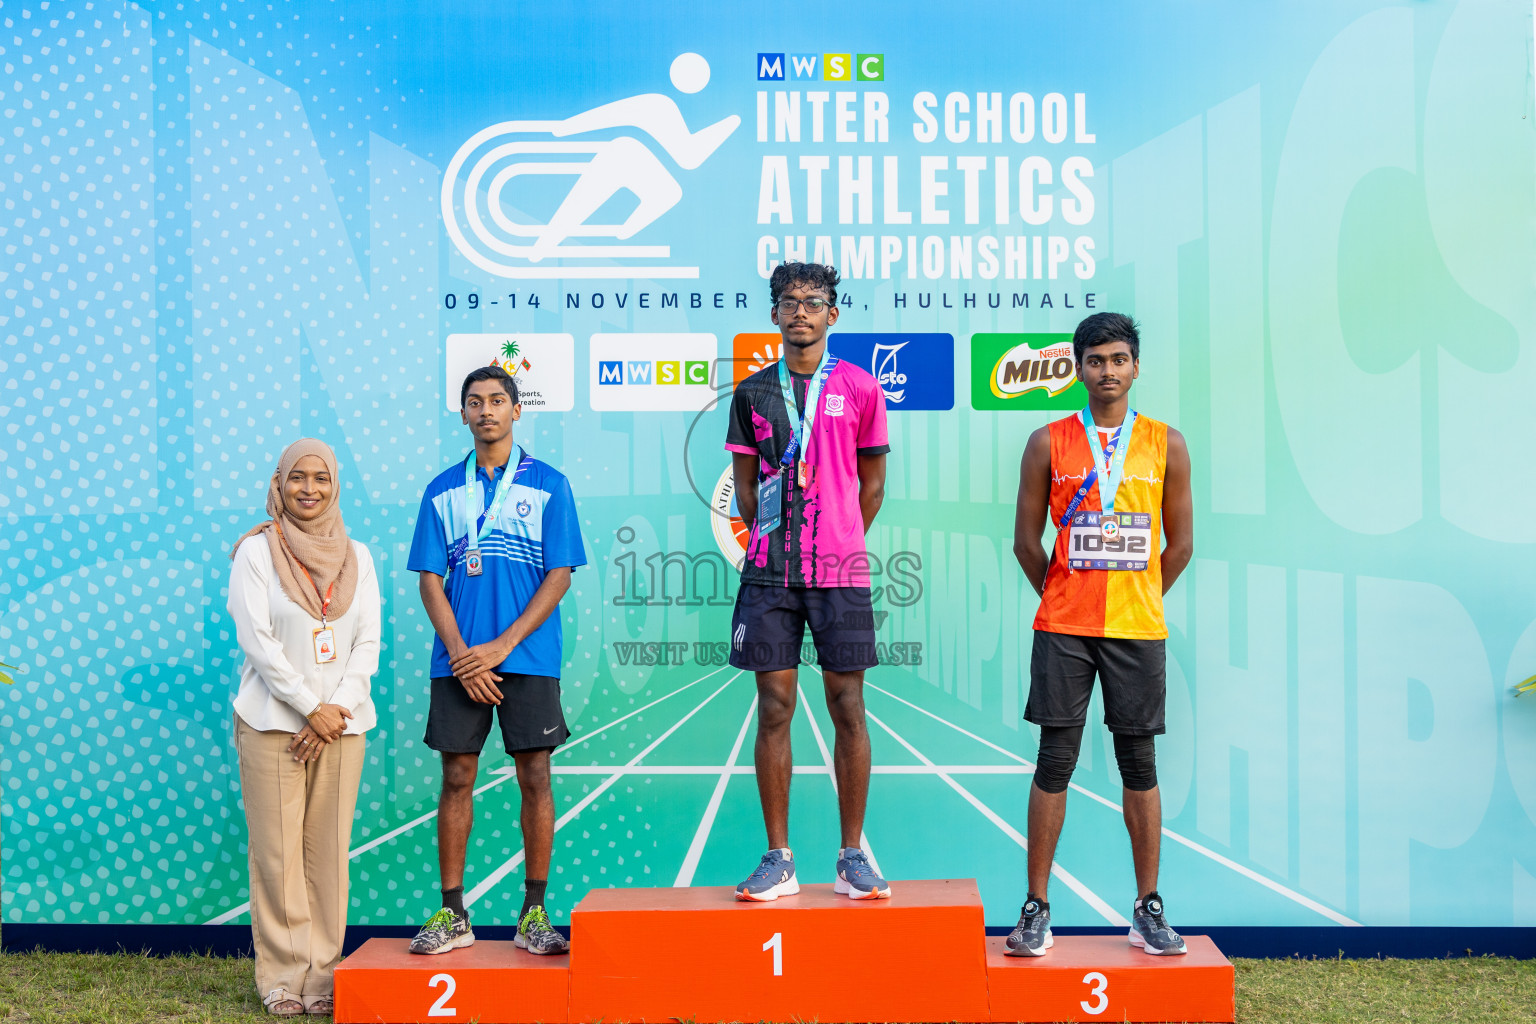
[1137,758]
[1058,756]
[1135,755]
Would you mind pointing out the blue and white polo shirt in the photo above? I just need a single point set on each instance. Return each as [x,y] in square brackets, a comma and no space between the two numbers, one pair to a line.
[535,532]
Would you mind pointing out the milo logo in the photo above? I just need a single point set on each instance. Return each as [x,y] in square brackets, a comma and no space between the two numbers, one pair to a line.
[1023,369]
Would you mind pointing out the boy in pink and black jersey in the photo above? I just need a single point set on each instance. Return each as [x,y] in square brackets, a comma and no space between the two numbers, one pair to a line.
[808,442]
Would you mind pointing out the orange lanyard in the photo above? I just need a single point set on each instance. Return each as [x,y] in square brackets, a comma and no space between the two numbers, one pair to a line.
[325,601]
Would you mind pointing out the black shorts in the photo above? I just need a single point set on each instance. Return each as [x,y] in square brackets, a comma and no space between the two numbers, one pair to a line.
[530,712]
[1131,673]
[768,627]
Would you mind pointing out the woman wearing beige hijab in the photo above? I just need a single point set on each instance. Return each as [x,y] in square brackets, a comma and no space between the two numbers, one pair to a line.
[305,602]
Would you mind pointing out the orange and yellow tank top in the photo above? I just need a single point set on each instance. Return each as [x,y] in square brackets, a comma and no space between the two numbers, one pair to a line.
[1096,602]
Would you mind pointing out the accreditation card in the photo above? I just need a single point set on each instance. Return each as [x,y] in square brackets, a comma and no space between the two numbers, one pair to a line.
[325,645]
[770,505]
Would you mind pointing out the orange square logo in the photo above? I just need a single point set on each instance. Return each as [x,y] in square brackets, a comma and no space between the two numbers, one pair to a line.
[752,352]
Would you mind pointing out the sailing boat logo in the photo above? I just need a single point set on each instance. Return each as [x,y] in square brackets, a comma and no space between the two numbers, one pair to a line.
[915,371]
[882,364]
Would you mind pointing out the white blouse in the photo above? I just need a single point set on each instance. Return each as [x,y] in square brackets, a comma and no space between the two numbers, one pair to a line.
[280,683]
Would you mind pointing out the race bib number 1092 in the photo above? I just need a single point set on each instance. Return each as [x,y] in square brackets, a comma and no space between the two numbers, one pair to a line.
[1091,546]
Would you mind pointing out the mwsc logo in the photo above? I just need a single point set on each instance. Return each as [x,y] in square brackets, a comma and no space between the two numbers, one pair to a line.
[503,209]
[653,372]
[668,371]
[821,67]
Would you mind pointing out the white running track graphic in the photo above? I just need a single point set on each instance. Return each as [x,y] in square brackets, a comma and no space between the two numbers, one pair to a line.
[947,772]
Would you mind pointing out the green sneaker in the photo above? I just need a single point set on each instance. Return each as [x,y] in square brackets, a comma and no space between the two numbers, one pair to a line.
[443,931]
[537,935]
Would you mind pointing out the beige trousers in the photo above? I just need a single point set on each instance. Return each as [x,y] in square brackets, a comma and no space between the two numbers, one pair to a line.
[300,823]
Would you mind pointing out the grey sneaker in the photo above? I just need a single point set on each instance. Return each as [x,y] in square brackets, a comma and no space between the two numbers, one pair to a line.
[1032,935]
[1150,932]
[538,936]
[856,878]
[774,877]
[443,931]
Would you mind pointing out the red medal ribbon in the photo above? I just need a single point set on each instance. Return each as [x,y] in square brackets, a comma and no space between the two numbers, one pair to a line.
[325,600]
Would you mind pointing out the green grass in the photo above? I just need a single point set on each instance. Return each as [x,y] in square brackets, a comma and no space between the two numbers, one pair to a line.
[1474,989]
[44,988]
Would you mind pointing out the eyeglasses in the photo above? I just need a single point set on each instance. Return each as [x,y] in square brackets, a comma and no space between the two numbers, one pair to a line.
[814,304]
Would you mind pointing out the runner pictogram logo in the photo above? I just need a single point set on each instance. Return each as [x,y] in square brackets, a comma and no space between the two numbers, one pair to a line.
[506,170]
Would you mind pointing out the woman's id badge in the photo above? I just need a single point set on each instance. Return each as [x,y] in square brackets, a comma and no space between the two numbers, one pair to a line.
[770,505]
[325,645]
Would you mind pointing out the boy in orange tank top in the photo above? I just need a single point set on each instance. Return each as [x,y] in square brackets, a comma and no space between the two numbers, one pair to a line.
[1114,483]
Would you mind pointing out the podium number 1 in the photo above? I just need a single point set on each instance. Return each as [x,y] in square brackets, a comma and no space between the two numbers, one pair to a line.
[1100,1000]
[441,1007]
[777,945]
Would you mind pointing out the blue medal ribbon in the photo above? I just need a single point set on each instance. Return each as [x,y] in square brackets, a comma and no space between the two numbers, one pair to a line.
[473,498]
[1112,456]
[800,423]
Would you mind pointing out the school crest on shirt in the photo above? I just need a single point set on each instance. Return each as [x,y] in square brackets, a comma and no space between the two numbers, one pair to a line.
[834,405]
[523,508]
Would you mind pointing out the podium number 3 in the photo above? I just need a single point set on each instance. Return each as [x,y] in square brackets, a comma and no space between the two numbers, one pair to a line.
[777,945]
[441,1007]
[1100,1000]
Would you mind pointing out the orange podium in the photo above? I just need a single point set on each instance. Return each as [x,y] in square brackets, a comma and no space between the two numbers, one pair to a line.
[1104,977]
[489,981]
[698,954]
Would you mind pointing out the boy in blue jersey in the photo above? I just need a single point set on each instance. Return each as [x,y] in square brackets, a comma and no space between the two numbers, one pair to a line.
[496,540]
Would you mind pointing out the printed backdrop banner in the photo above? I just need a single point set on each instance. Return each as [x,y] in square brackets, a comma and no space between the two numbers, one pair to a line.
[228,226]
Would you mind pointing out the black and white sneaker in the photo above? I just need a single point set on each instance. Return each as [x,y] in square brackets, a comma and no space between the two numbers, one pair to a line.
[1149,930]
[1032,935]
[538,936]
[443,931]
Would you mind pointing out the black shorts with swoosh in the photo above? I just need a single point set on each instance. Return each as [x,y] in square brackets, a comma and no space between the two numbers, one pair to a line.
[530,713]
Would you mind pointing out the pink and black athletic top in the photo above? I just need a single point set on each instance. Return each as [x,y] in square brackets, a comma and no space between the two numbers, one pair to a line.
[820,542]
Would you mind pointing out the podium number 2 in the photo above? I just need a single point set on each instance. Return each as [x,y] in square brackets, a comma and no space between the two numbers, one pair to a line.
[1100,1000]
[441,1007]
[777,945]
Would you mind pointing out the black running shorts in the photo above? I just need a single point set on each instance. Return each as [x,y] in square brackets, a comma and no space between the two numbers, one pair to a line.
[768,627]
[1131,673]
[530,712]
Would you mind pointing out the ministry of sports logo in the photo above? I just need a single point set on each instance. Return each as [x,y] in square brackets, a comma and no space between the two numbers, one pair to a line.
[503,173]
[543,365]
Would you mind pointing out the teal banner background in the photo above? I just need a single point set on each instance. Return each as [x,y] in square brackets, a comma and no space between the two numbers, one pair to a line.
[225,228]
